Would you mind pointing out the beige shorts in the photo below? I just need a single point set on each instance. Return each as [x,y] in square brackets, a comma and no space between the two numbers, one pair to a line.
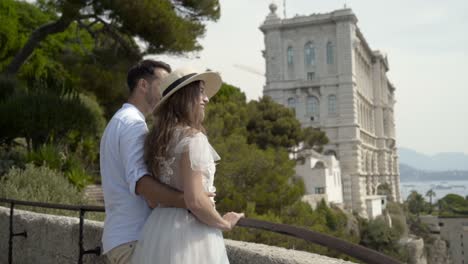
[121,254]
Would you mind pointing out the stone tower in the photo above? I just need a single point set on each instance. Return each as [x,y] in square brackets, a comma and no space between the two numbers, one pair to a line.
[322,67]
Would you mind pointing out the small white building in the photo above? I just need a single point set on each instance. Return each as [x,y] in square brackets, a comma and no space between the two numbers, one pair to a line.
[375,205]
[322,178]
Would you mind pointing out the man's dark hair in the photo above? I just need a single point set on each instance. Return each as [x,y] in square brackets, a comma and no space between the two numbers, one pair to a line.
[144,69]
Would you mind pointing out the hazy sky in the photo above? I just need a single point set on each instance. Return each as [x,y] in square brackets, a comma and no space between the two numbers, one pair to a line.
[427,46]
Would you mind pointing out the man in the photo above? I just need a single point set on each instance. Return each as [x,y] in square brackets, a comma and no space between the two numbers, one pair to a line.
[128,187]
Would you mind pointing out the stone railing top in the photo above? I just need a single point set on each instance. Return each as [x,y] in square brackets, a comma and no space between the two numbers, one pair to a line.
[55,238]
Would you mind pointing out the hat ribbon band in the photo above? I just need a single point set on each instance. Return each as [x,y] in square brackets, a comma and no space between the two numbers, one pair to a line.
[177,82]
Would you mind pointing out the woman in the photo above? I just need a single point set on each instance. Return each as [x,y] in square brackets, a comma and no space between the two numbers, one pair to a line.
[179,154]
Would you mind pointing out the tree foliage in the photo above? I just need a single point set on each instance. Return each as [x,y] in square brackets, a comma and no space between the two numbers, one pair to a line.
[453,204]
[256,175]
[163,26]
[45,117]
[377,234]
[272,125]
[416,203]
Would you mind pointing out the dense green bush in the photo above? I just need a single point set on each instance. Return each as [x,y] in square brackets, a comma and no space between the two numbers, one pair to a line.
[377,234]
[59,158]
[42,184]
[11,156]
[7,86]
[45,117]
[452,205]
[398,218]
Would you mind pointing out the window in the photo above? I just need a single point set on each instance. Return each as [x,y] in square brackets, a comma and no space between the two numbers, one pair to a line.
[289,55]
[320,190]
[330,53]
[309,52]
[332,104]
[310,76]
[292,103]
[312,106]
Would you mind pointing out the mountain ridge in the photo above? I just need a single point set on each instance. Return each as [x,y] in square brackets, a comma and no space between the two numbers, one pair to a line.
[444,161]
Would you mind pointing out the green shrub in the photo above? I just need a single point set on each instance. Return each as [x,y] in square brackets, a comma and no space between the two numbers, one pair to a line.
[398,218]
[42,184]
[11,157]
[59,158]
[79,177]
[453,204]
[376,234]
[50,155]
[7,86]
[44,117]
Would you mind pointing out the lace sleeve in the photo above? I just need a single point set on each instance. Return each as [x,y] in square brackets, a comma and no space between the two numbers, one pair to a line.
[201,153]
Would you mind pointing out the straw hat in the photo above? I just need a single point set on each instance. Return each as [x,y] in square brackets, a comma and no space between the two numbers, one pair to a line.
[184,76]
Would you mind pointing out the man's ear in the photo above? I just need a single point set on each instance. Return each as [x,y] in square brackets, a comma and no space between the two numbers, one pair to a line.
[143,85]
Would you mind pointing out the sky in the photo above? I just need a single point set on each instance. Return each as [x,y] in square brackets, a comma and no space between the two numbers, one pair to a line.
[426,42]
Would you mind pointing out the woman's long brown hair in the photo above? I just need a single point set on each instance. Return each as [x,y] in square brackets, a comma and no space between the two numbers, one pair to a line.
[181,109]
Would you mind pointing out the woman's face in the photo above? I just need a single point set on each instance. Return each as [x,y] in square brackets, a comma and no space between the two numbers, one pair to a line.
[202,100]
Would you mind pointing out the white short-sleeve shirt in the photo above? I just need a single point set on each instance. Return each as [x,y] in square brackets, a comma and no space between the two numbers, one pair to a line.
[122,165]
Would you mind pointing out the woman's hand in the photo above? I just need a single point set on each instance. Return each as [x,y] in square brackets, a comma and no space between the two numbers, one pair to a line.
[232,218]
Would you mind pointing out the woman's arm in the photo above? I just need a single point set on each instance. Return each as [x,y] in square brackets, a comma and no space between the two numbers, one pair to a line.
[197,201]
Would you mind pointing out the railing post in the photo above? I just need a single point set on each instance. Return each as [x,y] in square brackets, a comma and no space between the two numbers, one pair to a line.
[82,251]
[10,240]
[80,241]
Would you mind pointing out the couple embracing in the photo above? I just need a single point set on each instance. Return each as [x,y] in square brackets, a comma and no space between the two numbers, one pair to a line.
[158,183]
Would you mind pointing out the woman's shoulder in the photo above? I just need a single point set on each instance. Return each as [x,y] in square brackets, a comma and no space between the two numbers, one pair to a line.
[189,137]
[189,132]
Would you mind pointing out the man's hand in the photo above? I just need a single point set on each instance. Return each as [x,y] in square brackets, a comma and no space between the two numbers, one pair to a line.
[151,204]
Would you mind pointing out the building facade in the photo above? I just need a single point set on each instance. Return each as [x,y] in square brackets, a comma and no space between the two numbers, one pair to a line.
[455,231]
[322,67]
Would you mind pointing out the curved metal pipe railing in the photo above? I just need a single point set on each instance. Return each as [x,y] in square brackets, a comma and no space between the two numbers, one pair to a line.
[356,251]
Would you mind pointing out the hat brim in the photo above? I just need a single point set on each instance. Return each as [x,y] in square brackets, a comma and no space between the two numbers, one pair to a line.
[212,81]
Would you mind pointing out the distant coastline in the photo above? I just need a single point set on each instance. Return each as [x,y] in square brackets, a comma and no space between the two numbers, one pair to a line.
[440,187]
[410,174]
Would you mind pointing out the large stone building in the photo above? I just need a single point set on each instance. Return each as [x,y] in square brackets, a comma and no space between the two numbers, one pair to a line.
[321,66]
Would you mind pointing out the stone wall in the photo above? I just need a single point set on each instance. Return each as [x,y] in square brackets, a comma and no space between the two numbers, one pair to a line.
[54,239]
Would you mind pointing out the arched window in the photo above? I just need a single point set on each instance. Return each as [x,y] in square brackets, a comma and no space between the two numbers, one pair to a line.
[332,104]
[330,53]
[312,106]
[289,54]
[309,54]
[292,103]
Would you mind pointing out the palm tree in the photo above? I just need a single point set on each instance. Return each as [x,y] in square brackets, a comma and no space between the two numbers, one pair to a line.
[430,194]
[416,203]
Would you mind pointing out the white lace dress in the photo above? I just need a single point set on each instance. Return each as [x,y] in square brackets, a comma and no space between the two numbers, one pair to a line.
[173,235]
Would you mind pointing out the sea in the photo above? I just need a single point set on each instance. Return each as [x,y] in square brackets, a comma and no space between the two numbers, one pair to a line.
[441,188]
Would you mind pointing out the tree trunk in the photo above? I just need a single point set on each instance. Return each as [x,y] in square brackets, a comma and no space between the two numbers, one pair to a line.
[33,42]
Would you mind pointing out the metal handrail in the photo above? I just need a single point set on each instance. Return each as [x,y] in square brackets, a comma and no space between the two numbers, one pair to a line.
[81,208]
[356,251]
